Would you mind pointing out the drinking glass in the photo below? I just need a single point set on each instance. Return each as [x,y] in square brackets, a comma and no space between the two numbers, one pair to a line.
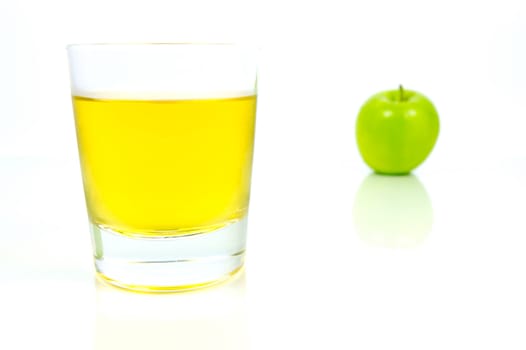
[165,135]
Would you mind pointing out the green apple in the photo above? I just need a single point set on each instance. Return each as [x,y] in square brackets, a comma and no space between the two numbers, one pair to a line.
[396,130]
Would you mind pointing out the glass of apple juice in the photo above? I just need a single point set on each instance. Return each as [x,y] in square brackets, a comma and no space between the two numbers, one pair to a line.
[165,135]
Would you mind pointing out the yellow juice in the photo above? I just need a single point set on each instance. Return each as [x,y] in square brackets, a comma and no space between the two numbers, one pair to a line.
[166,167]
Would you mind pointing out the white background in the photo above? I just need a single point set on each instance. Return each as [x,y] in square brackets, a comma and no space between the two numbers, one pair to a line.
[446,269]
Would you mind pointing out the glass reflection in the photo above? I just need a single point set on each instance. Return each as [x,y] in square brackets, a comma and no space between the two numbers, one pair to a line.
[392,211]
[213,318]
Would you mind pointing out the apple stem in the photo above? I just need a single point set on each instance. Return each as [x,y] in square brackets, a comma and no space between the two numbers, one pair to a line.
[401,92]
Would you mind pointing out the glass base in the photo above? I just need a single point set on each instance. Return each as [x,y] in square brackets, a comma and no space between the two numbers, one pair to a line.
[169,264]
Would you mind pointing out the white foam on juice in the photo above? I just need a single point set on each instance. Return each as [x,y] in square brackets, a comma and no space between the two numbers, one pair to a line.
[160,95]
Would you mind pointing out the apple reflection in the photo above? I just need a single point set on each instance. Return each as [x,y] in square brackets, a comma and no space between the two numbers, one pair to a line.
[392,211]
[213,318]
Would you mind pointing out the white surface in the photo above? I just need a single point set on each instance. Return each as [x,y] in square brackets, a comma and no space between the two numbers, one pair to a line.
[314,277]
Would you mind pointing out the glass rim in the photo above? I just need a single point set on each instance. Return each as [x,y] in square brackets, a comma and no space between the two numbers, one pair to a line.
[146,44]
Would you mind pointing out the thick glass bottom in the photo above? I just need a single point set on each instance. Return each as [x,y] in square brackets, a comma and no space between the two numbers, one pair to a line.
[169,264]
